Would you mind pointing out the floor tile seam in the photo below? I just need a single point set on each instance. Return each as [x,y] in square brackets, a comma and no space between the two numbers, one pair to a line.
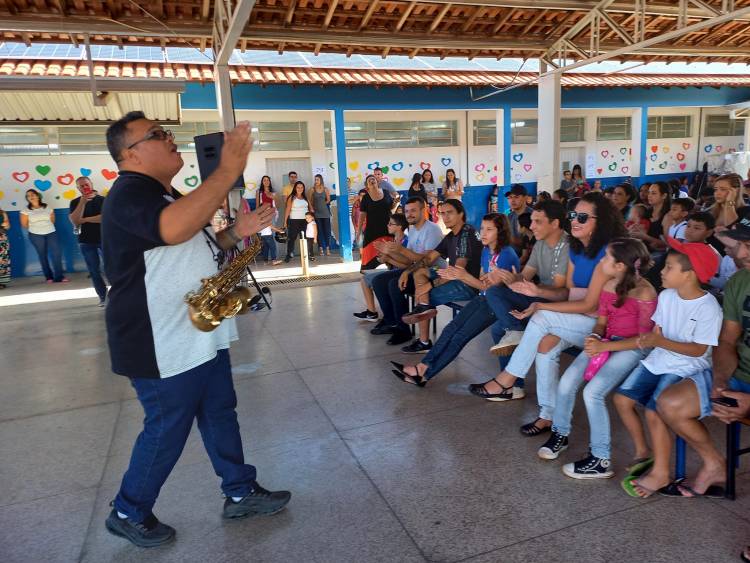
[48,497]
[100,483]
[412,416]
[724,505]
[337,362]
[644,503]
[63,411]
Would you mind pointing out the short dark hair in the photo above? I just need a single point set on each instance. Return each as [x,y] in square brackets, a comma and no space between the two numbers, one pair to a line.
[683,259]
[377,168]
[415,199]
[686,203]
[400,219]
[458,206]
[116,133]
[311,214]
[524,220]
[704,217]
[553,210]
[292,172]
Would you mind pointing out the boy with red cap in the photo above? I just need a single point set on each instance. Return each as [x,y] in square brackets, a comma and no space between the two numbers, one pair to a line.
[674,381]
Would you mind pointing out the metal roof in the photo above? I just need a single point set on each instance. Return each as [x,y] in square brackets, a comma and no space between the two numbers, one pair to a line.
[269,75]
[442,28]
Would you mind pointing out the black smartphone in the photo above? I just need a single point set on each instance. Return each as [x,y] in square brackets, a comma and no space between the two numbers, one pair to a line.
[208,151]
[725,401]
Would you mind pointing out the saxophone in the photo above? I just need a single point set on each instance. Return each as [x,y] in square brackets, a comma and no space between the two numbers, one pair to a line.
[221,296]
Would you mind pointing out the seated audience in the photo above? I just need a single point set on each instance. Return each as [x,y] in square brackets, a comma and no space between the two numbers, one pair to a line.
[677,218]
[516,198]
[727,199]
[638,218]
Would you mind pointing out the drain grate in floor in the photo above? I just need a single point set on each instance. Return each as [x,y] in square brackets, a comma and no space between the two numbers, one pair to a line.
[301,280]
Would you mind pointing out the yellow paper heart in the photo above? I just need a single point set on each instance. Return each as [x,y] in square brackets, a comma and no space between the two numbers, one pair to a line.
[354,165]
[398,181]
[665,149]
[70,194]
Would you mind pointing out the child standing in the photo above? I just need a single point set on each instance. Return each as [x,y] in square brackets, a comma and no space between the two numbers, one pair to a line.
[626,304]
[674,381]
[311,234]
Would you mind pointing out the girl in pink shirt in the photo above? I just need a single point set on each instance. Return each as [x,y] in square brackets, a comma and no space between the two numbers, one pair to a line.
[626,305]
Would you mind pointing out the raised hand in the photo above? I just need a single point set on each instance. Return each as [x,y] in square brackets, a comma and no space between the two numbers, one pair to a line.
[248,224]
[237,147]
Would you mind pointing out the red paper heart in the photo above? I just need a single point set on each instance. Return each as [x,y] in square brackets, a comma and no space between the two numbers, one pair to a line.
[605,153]
[683,165]
[109,174]
[680,156]
[654,148]
[685,146]
[425,165]
[599,170]
[20,176]
[65,179]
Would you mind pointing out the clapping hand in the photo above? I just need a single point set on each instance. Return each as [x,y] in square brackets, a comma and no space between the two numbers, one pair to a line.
[526,313]
[236,148]
[650,339]
[248,224]
[525,287]
[452,273]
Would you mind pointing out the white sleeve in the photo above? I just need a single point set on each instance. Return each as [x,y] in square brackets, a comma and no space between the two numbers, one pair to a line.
[708,323]
[658,316]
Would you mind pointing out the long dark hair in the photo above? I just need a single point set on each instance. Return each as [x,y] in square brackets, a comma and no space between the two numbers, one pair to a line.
[293,194]
[447,181]
[664,190]
[609,225]
[635,256]
[416,179]
[39,195]
[432,176]
[502,225]
[270,184]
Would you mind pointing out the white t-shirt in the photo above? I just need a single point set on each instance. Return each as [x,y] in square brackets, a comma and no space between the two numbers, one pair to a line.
[39,221]
[681,320]
[310,230]
[677,231]
[299,208]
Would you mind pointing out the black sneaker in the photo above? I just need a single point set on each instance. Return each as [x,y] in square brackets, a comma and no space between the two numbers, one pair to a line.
[367,315]
[258,502]
[554,445]
[382,328]
[417,347]
[421,312]
[149,533]
[399,337]
[591,467]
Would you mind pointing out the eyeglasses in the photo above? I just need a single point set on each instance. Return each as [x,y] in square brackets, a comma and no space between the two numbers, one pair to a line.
[155,135]
[580,217]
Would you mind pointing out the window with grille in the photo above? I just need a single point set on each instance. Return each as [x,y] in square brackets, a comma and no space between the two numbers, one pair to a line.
[722,126]
[25,140]
[572,129]
[613,128]
[485,132]
[281,136]
[670,126]
[524,131]
[396,134]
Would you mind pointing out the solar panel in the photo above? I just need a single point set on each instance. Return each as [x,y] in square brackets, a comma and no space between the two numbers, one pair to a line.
[271,58]
[396,61]
[188,55]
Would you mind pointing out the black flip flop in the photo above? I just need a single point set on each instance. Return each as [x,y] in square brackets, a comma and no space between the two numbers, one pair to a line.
[411,379]
[675,490]
[399,367]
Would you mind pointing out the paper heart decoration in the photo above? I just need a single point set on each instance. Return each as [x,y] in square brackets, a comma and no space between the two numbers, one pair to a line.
[685,146]
[663,165]
[385,169]
[373,165]
[425,165]
[353,165]
[599,170]
[652,157]
[612,167]
[398,181]
[517,177]
[683,165]
[479,167]
[708,148]
[718,148]
[43,169]
[624,169]
[331,165]
[109,174]
[397,166]
[70,194]
[191,181]
[42,185]
[623,150]
[679,156]
[527,167]
[518,157]
[495,168]
[65,179]
[480,177]
[654,148]
[85,172]
[604,153]
[446,161]
[20,176]
[493,180]
[665,149]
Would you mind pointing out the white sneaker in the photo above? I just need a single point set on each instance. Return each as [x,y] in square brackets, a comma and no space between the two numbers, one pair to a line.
[507,344]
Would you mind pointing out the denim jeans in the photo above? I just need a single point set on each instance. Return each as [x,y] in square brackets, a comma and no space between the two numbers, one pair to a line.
[468,323]
[614,371]
[324,232]
[502,300]
[45,245]
[391,299]
[453,290]
[170,405]
[91,254]
[571,329]
[268,247]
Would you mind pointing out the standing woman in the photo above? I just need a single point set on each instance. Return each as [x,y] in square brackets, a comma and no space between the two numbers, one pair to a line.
[453,188]
[416,189]
[4,250]
[40,222]
[320,199]
[374,212]
[430,188]
[728,198]
[265,193]
[579,181]
[294,217]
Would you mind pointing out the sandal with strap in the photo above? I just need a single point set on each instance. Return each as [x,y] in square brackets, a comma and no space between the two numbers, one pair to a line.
[479,390]
[531,429]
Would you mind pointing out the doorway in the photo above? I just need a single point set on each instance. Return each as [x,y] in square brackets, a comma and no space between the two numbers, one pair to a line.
[570,156]
[278,169]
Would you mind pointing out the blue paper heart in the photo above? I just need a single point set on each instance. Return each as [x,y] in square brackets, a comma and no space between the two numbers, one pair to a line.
[741,147]
[396,166]
[42,185]
[653,157]
[708,148]
[518,157]
[85,172]
[374,165]
[446,161]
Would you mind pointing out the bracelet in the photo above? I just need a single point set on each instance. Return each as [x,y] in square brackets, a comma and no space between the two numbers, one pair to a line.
[595,335]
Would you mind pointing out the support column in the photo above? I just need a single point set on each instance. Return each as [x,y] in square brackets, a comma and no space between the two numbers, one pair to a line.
[639,143]
[224,97]
[746,137]
[339,143]
[503,156]
[548,145]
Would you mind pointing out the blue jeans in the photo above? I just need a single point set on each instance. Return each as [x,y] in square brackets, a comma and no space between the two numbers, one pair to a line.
[91,254]
[468,323]
[170,405]
[324,232]
[502,300]
[268,248]
[391,299]
[450,291]
[44,245]
[571,329]
[614,371]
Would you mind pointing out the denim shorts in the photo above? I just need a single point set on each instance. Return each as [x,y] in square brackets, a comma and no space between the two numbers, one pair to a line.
[369,275]
[645,387]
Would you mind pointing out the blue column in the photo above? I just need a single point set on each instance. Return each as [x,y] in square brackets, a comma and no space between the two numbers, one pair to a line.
[502,203]
[644,139]
[345,234]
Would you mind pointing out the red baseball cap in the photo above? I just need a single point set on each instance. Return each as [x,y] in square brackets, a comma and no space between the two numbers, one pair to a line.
[703,258]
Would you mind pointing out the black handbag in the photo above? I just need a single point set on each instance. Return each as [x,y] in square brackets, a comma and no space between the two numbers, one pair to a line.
[281,237]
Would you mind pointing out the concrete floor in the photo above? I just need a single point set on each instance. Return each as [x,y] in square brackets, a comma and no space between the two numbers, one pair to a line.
[379,470]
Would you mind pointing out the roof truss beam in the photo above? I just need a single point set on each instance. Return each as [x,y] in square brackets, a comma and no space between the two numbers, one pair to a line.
[229,22]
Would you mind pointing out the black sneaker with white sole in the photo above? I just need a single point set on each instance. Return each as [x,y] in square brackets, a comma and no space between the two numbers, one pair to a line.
[555,444]
[417,347]
[367,315]
[256,503]
[591,467]
[149,533]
